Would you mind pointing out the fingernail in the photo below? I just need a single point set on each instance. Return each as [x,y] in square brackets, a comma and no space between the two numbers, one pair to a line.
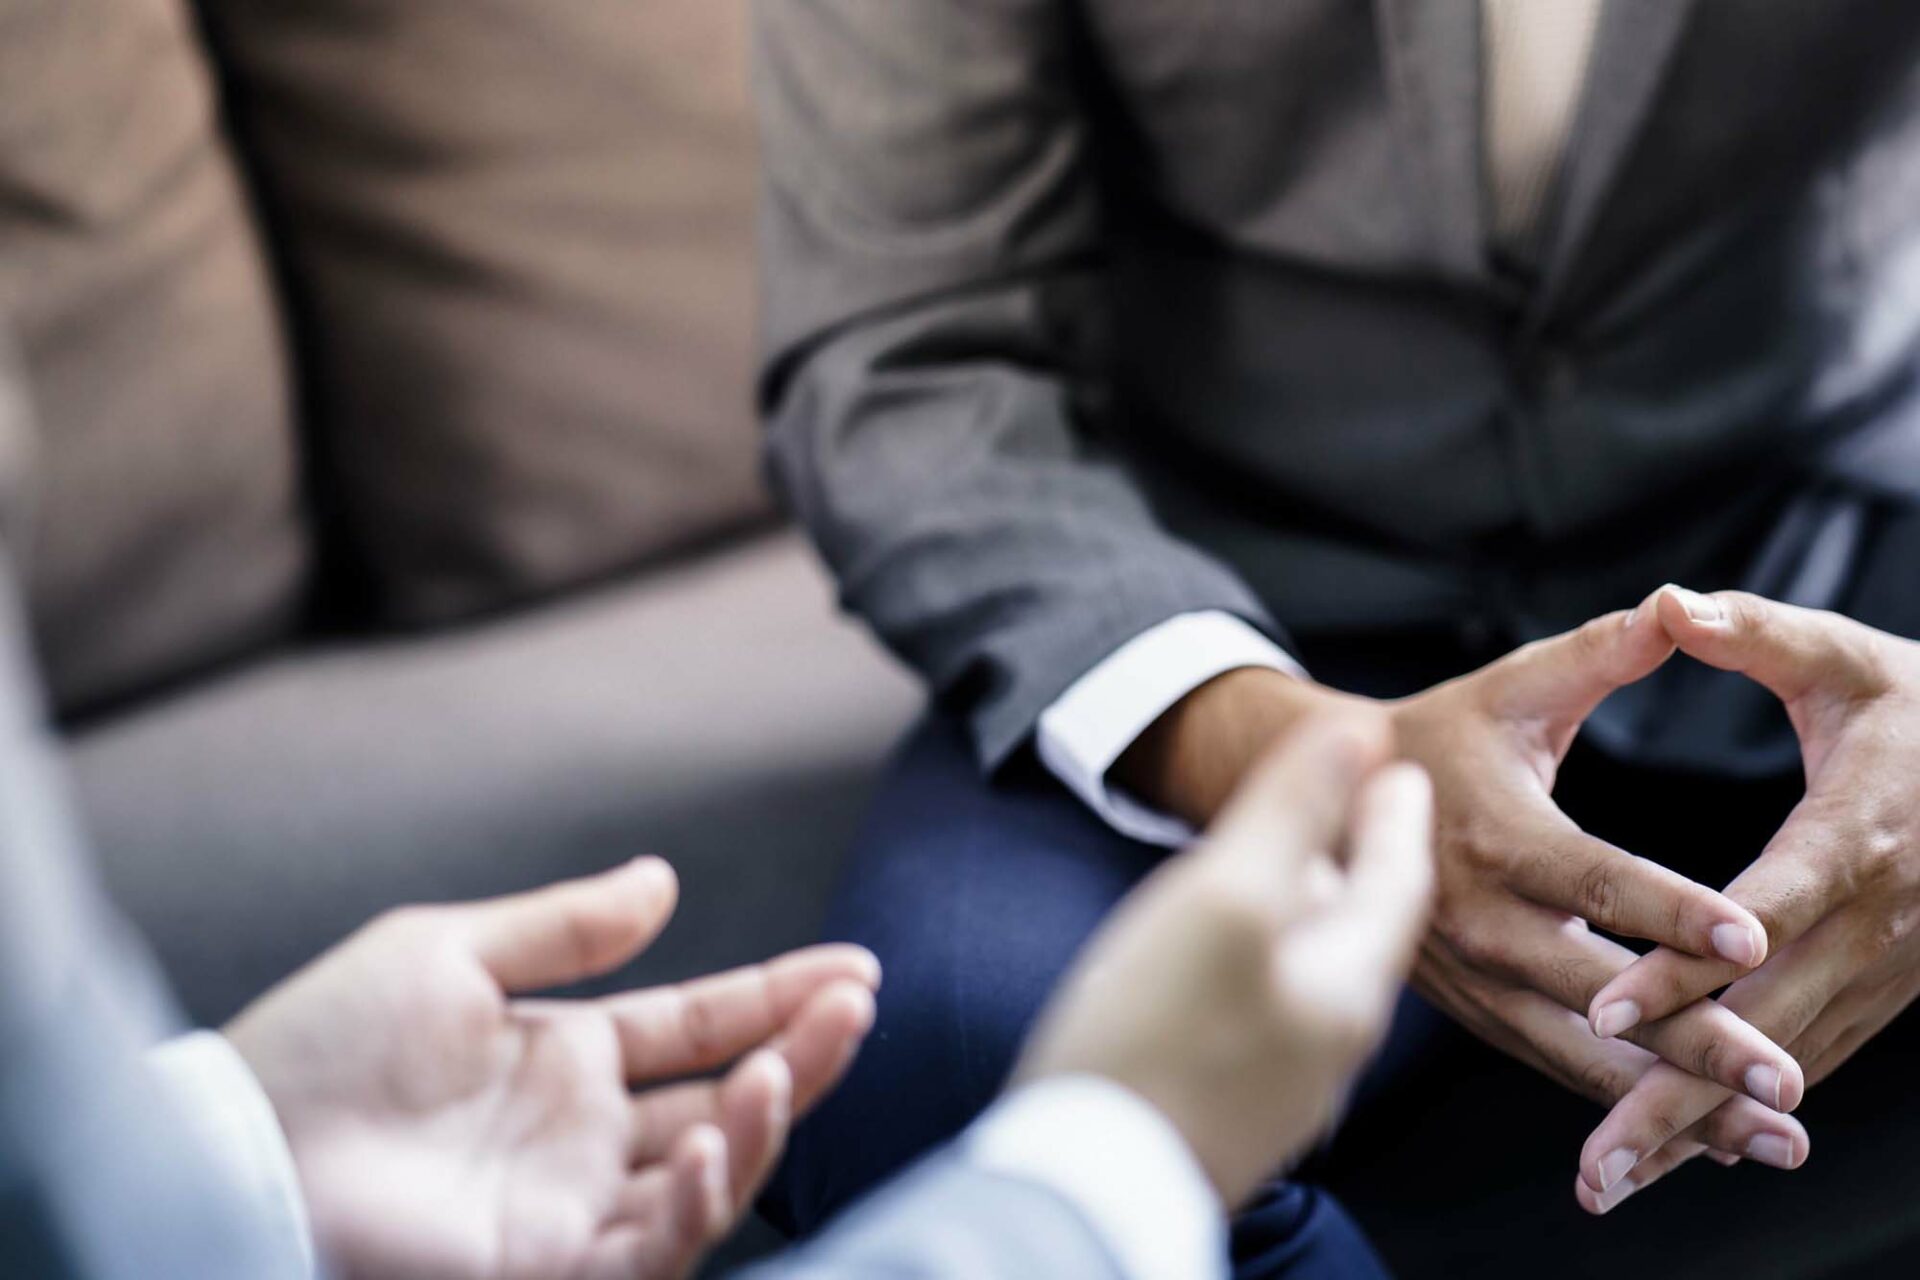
[1725,1159]
[1700,608]
[1616,1165]
[1610,1200]
[651,866]
[1737,943]
[1772,1149]
[1763,1082]
[1616,1018]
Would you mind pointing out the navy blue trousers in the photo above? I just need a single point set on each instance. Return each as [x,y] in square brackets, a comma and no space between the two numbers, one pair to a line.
[976,900]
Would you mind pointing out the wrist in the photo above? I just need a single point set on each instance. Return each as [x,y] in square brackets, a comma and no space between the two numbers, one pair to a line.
[1193,757]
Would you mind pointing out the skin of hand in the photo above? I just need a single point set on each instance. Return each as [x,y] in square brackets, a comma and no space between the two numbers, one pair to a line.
[1838,888]
[443,1126]
[1239,988]
[1510,953]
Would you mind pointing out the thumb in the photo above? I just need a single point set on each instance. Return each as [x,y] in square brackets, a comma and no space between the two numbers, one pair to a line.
[1362,944]
[1564,677]
[1788,650]
[573,930]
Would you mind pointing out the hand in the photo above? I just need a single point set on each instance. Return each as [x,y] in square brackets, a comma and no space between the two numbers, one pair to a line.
[1838,888]
[443,1127]
[1510,954]
[1242,985]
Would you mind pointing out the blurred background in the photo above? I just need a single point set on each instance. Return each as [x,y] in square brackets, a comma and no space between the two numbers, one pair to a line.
[392,510]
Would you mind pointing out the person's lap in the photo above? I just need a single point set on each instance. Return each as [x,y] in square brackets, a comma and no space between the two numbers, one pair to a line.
[976,899]
[977,896]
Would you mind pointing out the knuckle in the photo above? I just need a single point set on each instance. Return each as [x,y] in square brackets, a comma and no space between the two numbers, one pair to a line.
[697,1020]
[1601,1081]
[1881,857]
[1802,1006]
[1891,934]
[1570,977]
[1675,982]
[1590,641]
[1662,1122]
[1709,1057]
[1598,890]
[1744,612]
[1475,841]
[1679,910]
[1480,944]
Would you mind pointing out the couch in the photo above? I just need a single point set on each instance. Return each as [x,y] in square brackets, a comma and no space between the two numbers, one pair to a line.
[394,527]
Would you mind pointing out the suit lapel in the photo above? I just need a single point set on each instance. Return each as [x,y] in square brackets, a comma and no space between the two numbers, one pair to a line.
[1632,52]
[1433,60]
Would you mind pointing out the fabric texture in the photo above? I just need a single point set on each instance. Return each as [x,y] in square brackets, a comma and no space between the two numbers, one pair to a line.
[1083,316]
[165,531]
[976,899]
[949,1220]
[1090,726]
[518,241]
[1117,1161]
[718,714]
[232,1120]
[99,1178]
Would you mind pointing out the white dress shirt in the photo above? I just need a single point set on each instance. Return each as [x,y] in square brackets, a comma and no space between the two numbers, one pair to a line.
[1095,1145]
[1537,55]
[232,1117]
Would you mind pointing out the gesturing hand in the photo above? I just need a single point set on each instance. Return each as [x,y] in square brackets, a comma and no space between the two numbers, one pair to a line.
[1239,988]
[444,1128]
[1838,888]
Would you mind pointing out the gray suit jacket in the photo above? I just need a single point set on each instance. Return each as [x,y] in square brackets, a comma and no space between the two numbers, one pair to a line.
[1084,313]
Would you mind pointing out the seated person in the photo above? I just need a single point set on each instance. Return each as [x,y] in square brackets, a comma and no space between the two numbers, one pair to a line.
[1155,375]
[404,1106]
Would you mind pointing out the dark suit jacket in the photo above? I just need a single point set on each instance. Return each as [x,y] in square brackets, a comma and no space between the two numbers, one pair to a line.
[1084,313]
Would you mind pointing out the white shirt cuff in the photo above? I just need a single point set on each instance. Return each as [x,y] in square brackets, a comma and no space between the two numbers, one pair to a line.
[1116,1160]
[1093,723]
[234,1120]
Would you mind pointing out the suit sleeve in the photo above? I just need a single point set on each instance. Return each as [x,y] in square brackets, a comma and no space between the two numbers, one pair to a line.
[933,240]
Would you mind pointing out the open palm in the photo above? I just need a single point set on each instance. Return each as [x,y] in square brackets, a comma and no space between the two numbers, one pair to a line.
[442,1126]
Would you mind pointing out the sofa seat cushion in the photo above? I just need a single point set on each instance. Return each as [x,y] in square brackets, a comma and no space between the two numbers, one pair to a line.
[164,531]
[519,238]
[719,714]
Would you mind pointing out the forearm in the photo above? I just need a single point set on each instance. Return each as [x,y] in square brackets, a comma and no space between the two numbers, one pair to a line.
[933,293]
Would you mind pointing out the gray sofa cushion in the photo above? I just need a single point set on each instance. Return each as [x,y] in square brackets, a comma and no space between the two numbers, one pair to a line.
[719,714]
[165,526]
[519,236]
